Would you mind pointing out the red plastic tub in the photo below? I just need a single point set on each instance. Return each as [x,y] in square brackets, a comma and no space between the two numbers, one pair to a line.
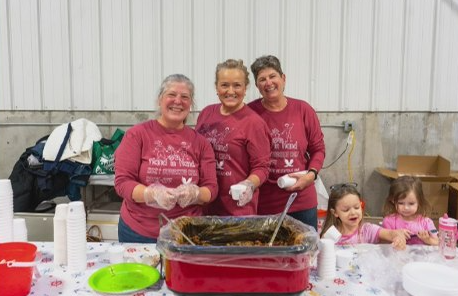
[237,270]
[16,268]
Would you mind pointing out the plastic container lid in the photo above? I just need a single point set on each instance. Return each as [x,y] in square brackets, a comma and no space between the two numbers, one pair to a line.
[425,278]
[447,223]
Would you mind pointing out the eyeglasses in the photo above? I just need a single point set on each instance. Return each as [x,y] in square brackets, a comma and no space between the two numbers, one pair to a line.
[342,185]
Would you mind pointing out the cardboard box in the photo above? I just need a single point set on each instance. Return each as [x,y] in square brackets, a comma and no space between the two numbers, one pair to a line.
[434,171]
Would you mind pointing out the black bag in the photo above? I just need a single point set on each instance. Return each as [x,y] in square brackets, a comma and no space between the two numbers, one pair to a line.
[24,180]
[49,179]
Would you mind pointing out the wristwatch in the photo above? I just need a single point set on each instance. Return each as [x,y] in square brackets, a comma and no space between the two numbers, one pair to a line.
[315,172]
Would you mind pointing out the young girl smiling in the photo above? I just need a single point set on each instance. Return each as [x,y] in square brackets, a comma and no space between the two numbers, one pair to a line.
[345,212]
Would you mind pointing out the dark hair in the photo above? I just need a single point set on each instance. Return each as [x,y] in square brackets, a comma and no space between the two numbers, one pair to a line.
[337,194]
[233,64]
[399,189]
[267,61]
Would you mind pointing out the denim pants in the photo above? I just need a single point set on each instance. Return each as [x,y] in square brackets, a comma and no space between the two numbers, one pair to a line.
[309,217]
[127,235]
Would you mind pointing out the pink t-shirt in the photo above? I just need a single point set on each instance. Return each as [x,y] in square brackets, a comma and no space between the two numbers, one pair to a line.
[395,221]
[150,153]
[241,143]
[368,233]
[297,144]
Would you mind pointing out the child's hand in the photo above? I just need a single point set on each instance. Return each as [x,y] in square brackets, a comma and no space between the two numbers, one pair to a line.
[399,242]
[404,233]
[428,238]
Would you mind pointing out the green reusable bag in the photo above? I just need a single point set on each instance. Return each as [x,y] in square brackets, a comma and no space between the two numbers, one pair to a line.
[103,154]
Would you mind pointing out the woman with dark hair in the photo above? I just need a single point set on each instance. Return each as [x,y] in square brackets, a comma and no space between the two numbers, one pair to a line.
[297,143]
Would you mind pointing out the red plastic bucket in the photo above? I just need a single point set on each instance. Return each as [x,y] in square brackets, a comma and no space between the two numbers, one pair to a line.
[16,268]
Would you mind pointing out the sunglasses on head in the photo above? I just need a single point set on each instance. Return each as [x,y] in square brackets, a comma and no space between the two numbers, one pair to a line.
[342,185]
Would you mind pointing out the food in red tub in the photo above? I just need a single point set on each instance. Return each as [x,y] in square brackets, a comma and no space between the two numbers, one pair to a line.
[231,255]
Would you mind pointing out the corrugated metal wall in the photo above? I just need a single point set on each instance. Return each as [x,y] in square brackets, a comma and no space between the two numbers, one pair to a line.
[354,55]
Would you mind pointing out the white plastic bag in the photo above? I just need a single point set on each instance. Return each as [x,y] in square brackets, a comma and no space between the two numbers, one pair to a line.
[322,194]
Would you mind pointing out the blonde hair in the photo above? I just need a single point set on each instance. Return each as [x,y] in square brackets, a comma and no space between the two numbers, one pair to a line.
[233,64]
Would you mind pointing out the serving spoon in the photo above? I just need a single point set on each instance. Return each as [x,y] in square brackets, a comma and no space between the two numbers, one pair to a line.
[174,226]
[291,198]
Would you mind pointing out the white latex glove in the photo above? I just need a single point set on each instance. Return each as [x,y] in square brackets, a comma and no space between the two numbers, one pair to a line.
[248,194]
[187,194]
[160,197]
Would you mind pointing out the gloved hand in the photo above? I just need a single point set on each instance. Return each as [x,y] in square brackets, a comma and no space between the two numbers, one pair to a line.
[248,194]
[160,197]
[187,194]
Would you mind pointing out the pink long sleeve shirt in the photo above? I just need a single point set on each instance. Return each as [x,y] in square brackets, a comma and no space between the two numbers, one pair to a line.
[242,147]
[297,145]
[150,153]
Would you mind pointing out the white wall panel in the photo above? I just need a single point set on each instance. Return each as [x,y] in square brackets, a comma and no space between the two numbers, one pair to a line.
[146,53]
[418,55]
[357,55]
[55,59]
[177,33]
[388,55]
[354,55]
[207,49]
[116,54]
[327,55]
[446,79]
[5,91]
[297,49]
[25,54]
[85,55]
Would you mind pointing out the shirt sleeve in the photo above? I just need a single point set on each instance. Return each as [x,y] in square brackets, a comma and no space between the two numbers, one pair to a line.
[258,148]
[429,224]
[316,146]
[207,172]
[127,164]
[370,233]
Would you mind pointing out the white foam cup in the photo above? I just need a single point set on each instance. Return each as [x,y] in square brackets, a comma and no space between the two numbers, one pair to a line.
[333,234]
[116,254]
[5,187]
[237,190]
[286,181]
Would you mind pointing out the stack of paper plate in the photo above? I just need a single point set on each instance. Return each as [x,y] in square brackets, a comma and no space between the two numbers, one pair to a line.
[425,279]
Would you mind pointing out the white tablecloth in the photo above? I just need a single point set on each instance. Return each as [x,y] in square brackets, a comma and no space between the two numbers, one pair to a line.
[377,271]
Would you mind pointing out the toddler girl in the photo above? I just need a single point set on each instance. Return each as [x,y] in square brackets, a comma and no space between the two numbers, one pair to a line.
[345,213]
[406,208]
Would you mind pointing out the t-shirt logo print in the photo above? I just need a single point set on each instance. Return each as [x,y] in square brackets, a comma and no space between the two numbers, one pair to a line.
[220,165]
[171,156]
[289,163]
[282,140]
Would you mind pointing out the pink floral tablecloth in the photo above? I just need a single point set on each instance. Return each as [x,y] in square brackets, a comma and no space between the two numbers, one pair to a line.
[376,271]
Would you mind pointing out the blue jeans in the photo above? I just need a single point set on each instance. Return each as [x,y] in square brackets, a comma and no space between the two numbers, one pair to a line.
[127,235]
[309,217]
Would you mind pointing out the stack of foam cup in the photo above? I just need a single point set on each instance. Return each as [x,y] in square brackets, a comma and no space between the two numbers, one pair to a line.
[6,211]
[60,234]
[326,259]
[333,234]
[76,237]
[287,181]
[19,230]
